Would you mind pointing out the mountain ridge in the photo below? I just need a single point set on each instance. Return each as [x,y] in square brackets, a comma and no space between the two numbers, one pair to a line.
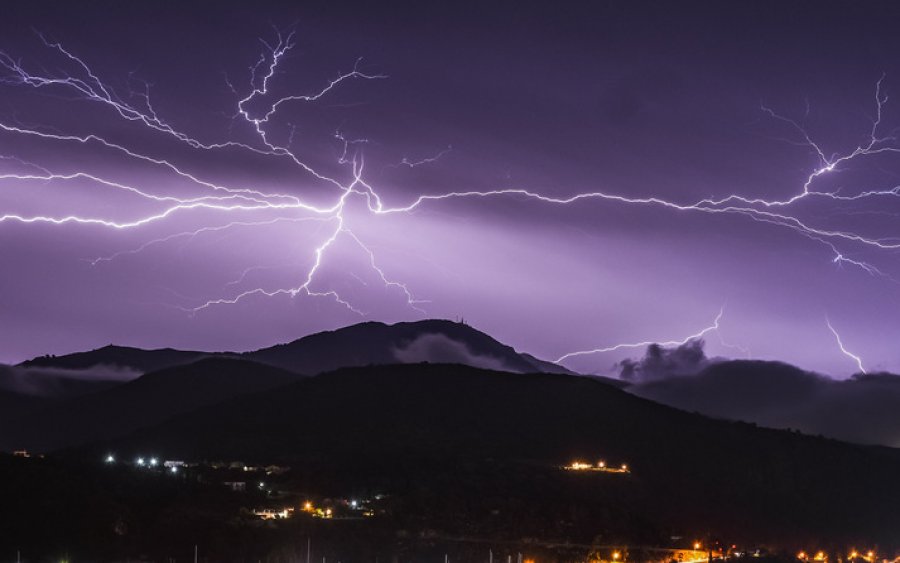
[370,342]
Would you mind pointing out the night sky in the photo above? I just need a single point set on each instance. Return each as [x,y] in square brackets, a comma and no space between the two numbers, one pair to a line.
[656,106]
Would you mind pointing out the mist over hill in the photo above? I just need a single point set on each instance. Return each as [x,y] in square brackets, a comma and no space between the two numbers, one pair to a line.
[369,343]
[144,401]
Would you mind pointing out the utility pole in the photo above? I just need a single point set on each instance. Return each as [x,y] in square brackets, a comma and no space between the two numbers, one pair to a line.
[195,553]
[308,544]
[490,556]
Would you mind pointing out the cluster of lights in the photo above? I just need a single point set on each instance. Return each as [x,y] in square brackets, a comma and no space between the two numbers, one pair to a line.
[271,514]
[853,555]
[323,512]
[145,462]
[600,466]
[309,508]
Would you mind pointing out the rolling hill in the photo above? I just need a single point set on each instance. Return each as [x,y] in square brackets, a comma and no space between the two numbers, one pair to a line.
[411,428]
[136,359]
[145,401]
[861,409]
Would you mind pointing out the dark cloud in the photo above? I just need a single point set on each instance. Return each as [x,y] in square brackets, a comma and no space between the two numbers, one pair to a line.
[662,363]
[439,348]
[861,409]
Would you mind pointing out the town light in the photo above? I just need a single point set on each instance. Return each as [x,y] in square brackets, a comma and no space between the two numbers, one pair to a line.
[110,458]
[153,462]
[140,461]
[697,545]
[616,555]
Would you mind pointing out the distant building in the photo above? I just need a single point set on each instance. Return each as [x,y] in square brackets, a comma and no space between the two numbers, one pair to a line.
[21,453]
[236,486]
[272,514]
[173,463]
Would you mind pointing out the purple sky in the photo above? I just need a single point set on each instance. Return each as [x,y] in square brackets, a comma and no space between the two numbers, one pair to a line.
[630,100]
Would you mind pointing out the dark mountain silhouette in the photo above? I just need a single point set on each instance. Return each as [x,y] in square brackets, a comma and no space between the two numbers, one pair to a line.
[121,356]
[145,401]
[406,426]
[436,341]
[41,424]
[862,409]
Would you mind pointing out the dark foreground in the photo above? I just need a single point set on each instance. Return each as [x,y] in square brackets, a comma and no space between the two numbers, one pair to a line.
[449,460]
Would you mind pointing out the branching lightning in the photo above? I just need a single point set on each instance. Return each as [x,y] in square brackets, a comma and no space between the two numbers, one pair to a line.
[85,84]
[630,346]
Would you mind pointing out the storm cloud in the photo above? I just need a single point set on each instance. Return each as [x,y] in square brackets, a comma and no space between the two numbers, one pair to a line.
[662,363]
[439,348]
[862,409]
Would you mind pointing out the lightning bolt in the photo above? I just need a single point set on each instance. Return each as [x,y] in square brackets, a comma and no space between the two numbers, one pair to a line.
[90,87]
[617,347]
[196,232]
[258,108]
[421,162]
[840,343]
